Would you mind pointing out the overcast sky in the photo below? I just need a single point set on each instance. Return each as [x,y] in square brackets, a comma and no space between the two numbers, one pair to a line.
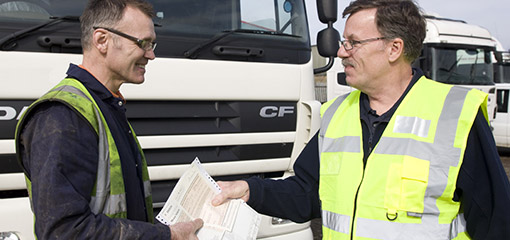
[494,15]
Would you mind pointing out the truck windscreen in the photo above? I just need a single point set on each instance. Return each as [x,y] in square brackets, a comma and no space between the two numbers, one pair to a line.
[462,66]
[274,30]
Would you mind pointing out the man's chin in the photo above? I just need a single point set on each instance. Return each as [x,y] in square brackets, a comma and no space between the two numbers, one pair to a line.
[350,81]
[137,81]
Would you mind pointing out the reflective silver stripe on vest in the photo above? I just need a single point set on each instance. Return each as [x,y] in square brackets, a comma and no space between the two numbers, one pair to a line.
[113,204]
[342,144]
[370,228]
[102,202]
[441,154]
[147,188]
[458,226]
[336,222]
[327,116]
[414,125]
[386,230]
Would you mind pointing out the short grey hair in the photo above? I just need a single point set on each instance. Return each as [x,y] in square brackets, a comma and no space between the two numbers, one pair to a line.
[106,13]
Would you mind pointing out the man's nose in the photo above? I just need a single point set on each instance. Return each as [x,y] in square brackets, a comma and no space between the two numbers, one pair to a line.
[150,54]
[342,53]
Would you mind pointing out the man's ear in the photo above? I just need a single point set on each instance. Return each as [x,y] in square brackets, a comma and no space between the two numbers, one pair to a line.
[396,49]
[100,40]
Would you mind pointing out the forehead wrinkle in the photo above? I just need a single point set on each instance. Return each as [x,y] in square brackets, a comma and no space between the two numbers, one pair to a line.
[361,25]
[132,18]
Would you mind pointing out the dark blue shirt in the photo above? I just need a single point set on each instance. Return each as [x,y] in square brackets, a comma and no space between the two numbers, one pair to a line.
[482,184]
[60,153]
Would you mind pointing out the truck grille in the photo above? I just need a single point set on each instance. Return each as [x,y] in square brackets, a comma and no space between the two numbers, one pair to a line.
[157,118]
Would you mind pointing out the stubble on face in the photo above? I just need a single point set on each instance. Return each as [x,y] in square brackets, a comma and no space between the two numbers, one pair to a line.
[358,64]
[128,61]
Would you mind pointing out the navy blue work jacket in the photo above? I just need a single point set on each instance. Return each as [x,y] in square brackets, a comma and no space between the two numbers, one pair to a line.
[482,185]
[60,151]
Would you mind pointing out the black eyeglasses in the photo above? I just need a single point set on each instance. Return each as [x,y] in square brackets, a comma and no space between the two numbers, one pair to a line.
[143,44]
[349,44]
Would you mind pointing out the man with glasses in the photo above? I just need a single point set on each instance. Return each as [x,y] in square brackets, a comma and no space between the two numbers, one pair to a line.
[402,157]
[86,173]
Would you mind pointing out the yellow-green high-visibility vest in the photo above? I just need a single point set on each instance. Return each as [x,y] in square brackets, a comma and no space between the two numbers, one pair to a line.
[109,194]
[405,191]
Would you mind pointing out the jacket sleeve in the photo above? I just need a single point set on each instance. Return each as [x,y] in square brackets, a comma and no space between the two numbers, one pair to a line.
[296,197]
[59,150]
[483,186]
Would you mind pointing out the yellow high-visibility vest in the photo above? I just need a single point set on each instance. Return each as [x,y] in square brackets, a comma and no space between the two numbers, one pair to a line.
[405,191]
[109,194]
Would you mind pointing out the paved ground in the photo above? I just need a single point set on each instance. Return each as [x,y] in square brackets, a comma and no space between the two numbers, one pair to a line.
[505,159]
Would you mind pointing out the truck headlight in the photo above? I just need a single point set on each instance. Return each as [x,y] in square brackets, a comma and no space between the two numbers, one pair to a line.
[9,236]
[277,221]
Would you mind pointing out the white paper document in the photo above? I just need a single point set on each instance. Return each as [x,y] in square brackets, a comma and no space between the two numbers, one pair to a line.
[191,199]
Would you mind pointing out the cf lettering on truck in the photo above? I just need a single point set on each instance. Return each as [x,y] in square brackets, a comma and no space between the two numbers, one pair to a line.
[274,111]
[232,84]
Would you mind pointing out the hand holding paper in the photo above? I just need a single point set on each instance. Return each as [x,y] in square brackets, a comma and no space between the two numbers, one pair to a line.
[232,190]
[185,230]
[191,199]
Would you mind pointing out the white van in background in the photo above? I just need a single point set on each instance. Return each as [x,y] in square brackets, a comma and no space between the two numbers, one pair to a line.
[501,123]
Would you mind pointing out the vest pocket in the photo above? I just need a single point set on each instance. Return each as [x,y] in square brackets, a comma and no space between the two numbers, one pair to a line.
[415,175]
[330,163]
[406,186]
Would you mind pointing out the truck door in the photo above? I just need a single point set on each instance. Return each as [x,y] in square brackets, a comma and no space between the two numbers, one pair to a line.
[500,124]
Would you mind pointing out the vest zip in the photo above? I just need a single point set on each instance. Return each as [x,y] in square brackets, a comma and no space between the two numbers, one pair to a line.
[371,130]
[397,151]
[371,137]
[356,202]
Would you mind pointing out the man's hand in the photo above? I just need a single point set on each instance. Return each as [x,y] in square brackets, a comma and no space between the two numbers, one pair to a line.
[185,230]
[232,190]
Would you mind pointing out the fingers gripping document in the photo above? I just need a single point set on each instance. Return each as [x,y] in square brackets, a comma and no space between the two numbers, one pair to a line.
[191,199]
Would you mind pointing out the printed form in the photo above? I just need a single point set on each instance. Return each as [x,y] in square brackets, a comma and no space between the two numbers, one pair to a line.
[191,199]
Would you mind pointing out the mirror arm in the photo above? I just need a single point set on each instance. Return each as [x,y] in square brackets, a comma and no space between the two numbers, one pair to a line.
[325,68]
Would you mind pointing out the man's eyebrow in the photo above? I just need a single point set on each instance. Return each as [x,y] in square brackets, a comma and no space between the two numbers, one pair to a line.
[350,36]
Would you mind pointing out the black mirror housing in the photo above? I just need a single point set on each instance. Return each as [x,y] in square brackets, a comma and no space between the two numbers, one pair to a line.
[327,39]
[327,10]
[328,42]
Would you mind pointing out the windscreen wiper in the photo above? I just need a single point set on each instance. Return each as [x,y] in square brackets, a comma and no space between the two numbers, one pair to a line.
[450,72]
[193,52]
[9,42]
[472,70]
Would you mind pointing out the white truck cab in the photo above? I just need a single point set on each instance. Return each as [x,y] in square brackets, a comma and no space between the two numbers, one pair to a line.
[232,84]
[459,53]
[501,123]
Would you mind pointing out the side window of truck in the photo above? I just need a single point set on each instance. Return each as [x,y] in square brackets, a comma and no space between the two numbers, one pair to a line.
[263,15]
[502,99]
